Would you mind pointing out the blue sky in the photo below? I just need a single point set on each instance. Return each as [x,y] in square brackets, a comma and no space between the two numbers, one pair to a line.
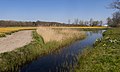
[54,10]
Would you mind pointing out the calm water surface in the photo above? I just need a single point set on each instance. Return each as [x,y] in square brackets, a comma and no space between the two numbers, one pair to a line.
[64,59]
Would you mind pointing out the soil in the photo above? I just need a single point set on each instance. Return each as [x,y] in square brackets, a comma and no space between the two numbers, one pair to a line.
[15,40]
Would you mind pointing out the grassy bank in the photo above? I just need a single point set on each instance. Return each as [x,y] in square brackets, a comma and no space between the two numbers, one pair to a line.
[11,61]
[104,57]
[9,30]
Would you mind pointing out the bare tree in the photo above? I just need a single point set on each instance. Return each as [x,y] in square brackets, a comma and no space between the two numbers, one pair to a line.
[91,22]
[86,23]
[69,21]
[101,22]
[116,19]
[81,23]
[109,21]
[76,21]
[95,23]
[115,5]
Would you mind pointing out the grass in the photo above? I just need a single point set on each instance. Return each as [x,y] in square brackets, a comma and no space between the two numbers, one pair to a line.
[8,30]
[104,57]
[83,28]
[12,61]
[79,27]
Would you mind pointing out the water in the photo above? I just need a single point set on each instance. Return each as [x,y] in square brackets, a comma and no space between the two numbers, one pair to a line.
[64,59]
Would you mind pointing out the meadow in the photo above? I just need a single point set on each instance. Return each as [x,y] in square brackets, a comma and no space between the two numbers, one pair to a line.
[104,56]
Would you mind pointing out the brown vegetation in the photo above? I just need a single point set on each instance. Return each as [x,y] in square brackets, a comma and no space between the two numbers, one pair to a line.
[51,34]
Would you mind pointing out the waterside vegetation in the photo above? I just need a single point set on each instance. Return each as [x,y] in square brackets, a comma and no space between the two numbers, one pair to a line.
[104,57]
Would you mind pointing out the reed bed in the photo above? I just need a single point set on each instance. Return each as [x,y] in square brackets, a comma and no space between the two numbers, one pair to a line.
[52,34]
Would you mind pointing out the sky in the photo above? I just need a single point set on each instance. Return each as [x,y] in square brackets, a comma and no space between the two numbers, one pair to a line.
[54,10]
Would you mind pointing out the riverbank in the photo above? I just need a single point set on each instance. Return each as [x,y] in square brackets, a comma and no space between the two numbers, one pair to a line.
[12,61]
[104,57]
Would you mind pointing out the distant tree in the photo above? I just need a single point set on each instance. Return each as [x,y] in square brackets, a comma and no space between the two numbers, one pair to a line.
[116,19]
[86,23]
[95,23]
[76,21]
[109,21]
[81,23]
[69,21]
[100,22]
[91,22]
[34,23]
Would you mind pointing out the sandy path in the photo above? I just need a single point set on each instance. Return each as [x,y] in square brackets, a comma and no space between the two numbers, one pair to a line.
[15,40]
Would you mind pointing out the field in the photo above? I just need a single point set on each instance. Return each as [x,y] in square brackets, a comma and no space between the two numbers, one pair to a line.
[104,57]
[9,30]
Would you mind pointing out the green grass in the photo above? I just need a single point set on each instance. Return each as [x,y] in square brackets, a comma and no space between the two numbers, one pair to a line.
[104,57]
[13,60]
[2,35]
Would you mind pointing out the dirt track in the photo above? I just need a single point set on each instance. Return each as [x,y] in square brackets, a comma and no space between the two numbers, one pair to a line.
[15,40]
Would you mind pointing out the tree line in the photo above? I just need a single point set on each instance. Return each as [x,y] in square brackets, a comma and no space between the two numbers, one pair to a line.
[91,22]
[4,23]
[77,22]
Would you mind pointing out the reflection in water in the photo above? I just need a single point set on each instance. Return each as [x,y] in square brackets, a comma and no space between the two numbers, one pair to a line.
[64,59]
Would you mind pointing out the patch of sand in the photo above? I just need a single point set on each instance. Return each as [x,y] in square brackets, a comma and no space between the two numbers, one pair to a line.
[15,40]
